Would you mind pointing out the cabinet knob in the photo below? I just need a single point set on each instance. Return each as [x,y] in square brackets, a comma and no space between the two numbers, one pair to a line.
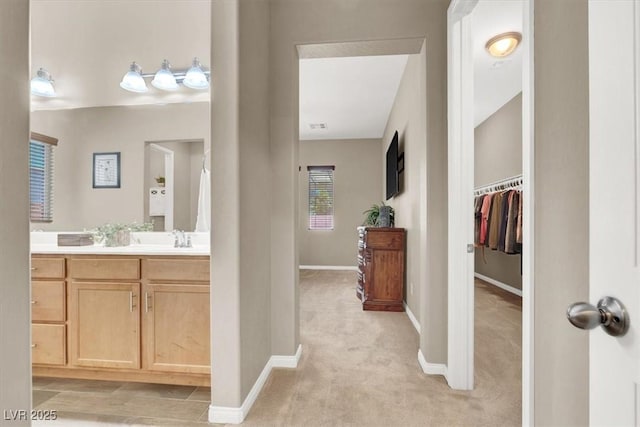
[34,345]
[33,301]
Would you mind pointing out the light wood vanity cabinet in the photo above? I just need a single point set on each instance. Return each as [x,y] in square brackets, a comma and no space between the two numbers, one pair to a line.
[136,319]
[104,325]
[48,311]
[176,315]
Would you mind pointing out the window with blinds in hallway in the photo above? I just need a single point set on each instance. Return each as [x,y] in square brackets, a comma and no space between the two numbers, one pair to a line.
[41,178]
[320,197]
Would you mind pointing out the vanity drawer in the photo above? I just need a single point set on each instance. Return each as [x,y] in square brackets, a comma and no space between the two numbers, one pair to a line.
[47,268]
[172,269]
[47,301]
[47,344]
[104,268]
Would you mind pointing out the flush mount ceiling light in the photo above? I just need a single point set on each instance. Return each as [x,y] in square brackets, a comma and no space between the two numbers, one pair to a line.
[194,78]
[503,44]
[133,81]
[42,84]
[164,78]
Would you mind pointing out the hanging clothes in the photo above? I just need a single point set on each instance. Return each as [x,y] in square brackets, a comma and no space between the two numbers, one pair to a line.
[484,211]
[510,244]
[477,219]
[519,222]
[498,221]
[504,213]
[495,215]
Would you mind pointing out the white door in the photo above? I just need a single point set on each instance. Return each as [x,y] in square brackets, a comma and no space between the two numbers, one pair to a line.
[614,229]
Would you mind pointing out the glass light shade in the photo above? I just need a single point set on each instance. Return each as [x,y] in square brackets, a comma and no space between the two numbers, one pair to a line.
[133,81]
[195,77]
[41,84]
[503,44]
[164,78]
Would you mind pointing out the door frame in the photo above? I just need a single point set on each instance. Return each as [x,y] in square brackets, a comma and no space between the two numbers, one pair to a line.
[169,163]
[460,359]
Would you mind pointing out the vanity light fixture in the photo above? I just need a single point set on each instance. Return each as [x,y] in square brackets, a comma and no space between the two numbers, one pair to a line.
[133,81]
[195,77]
[503,44]
[165,79]
[42,84]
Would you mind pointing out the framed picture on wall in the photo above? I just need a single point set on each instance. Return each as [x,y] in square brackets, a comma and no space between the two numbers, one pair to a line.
[106,170]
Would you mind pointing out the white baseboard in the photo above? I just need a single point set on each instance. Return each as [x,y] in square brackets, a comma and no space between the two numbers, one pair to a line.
[232,415]
[329,267]
[287,361]
[501,285]
[431,368]
[413,319]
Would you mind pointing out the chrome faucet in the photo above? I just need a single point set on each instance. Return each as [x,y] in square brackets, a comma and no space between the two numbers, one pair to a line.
[181,240]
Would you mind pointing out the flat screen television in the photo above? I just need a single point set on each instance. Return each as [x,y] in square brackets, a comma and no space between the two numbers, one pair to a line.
[393,182]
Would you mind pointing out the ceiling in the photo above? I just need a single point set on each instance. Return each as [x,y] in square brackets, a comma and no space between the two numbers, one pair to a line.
[87,46]
[352,96]
[495,81]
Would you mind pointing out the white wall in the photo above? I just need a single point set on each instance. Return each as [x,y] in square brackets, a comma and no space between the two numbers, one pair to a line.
[408,118]
[84,131]
[357,186]
[15,309]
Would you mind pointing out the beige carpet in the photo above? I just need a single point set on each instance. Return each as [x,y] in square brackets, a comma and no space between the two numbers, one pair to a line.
[360,368]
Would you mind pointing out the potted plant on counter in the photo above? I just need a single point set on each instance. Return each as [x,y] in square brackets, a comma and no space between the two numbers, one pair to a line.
[379,216]
[118,234]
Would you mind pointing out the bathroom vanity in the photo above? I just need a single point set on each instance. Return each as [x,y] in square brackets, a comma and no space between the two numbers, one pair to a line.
[136,313]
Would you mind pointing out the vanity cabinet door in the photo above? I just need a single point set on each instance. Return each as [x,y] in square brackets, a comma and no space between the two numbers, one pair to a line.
[104,324]
[176,328]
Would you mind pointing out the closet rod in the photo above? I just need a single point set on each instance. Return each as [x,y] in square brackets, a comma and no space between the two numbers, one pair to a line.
[503,184]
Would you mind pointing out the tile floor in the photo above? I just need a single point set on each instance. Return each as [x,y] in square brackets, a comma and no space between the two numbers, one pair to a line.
[80,402]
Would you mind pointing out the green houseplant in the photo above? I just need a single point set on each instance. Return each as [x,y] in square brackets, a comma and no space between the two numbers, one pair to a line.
[118,234]
[372,215]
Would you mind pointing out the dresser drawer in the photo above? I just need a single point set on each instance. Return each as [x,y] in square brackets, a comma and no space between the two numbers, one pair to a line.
[47,301]
[48,344]
[105,268]
[173,269]
[385,240]
[47,268]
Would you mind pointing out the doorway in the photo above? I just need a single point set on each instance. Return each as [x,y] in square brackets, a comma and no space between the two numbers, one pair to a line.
[461,209]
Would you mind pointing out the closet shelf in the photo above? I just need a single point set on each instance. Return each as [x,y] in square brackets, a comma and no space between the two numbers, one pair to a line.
[513,183]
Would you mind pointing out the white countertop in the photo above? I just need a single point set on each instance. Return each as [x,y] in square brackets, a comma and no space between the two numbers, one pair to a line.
[120,250]
[148,244]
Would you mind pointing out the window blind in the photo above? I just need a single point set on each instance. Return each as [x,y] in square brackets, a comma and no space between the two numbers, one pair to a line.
[40,181]
[320,197]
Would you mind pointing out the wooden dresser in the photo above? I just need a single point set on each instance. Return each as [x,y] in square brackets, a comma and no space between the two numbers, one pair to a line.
[381,262]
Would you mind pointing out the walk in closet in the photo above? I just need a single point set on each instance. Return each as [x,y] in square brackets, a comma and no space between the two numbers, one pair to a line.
[498,227]
[498,198]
